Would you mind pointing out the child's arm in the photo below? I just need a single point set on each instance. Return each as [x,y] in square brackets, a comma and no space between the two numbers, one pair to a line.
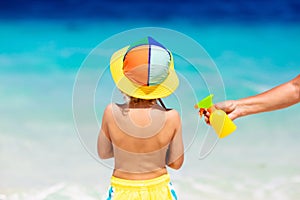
[175,154]
[105,148]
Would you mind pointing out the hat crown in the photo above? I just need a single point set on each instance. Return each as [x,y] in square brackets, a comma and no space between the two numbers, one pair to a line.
[147,62]
[145,74]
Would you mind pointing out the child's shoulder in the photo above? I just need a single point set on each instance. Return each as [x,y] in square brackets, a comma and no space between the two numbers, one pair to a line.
[108,108]
[113,108]
[173,114]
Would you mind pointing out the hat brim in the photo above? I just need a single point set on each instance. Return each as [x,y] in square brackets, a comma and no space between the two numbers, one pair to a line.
[164,89]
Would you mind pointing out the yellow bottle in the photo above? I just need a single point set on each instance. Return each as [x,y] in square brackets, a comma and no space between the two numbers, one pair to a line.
[219,120]
[221,123]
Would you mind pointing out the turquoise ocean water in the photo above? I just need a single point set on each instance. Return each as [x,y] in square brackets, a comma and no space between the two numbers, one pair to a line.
[42,157]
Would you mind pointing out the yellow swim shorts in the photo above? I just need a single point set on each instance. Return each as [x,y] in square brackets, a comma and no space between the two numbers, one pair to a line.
[159,188]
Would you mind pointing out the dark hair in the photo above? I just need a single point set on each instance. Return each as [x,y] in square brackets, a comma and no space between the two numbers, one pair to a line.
[135,100]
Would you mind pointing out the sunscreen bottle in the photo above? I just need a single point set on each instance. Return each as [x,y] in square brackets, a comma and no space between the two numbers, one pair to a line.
[219,120]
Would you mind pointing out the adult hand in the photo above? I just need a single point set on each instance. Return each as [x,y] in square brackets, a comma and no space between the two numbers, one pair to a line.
[230,107]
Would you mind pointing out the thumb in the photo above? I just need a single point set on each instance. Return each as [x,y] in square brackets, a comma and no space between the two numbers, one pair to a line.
[226,106]
[222,106]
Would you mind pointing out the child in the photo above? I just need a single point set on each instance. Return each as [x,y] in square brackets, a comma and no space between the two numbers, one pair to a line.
[142,136]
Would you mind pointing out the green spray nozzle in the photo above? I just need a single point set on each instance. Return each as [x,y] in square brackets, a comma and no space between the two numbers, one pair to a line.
[206,102]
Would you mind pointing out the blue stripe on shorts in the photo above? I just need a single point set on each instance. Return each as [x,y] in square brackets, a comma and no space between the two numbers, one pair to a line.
[172,191]
[110,193]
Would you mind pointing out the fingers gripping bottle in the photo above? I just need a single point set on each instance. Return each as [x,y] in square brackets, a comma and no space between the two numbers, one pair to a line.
[219,120]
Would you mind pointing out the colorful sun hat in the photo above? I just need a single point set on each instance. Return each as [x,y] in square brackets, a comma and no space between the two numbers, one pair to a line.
[144,70]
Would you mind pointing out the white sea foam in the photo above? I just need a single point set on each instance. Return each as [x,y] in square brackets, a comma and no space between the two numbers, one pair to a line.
[59,191]
[234,187]
[213,188]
